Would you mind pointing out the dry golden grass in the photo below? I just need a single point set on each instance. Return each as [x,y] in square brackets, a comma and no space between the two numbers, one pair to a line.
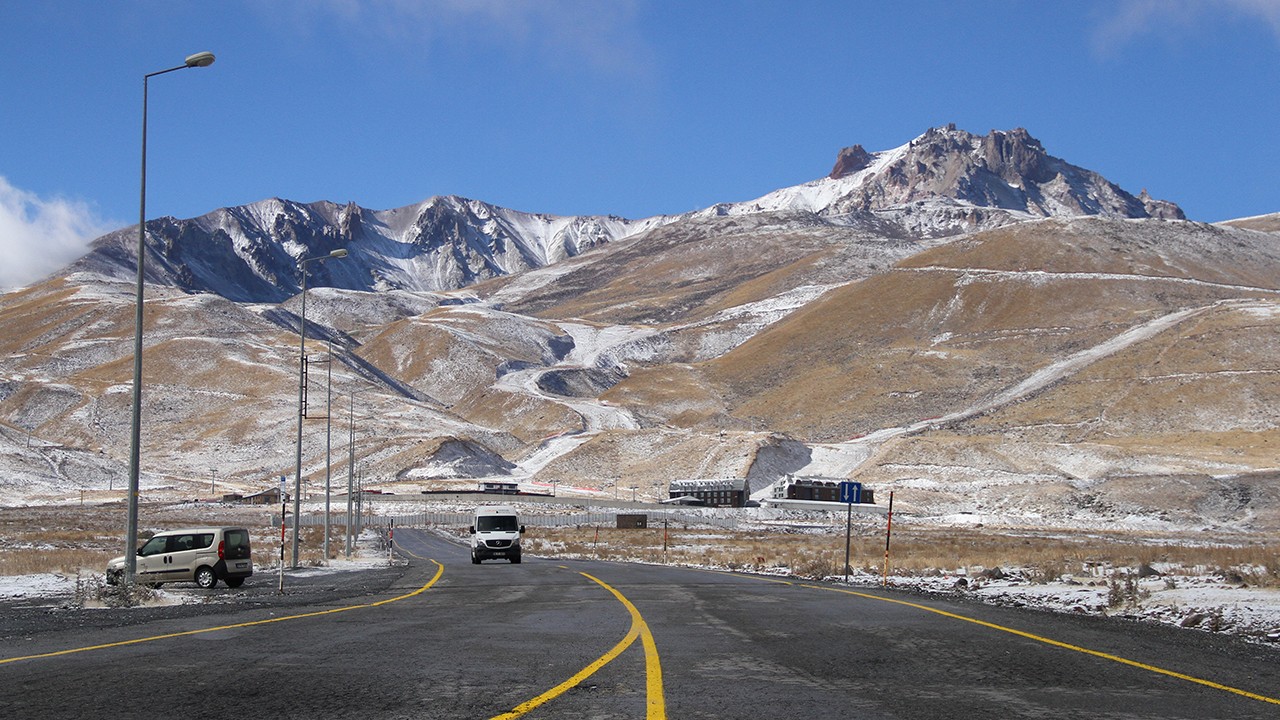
[920,551]
[1263,223]
[71,539]
[28,561]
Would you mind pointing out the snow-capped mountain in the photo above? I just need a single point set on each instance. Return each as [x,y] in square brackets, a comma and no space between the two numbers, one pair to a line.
[944,182]
[1069,366]
[948,180]
[250,253]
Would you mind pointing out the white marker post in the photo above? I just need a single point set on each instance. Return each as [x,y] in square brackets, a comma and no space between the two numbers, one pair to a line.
[888,532]
[283,507]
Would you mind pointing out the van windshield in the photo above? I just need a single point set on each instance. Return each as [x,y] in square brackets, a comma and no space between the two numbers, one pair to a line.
[498,523]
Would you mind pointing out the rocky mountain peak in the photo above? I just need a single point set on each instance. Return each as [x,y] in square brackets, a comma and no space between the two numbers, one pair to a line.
[1005,170]
[1162,209]
[1015,156]
[849,161]
[948,181]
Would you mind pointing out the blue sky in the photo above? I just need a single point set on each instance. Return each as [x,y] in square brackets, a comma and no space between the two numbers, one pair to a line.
[625,107]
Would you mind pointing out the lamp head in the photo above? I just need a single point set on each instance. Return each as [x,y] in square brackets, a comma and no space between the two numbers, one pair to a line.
[339,253]
[201,59]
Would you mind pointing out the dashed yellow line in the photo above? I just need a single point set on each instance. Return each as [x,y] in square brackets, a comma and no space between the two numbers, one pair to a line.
[167,636]
[1059,644]
[655,703]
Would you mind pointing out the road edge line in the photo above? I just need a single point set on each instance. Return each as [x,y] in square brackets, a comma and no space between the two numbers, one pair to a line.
[1059,644]
[236,626]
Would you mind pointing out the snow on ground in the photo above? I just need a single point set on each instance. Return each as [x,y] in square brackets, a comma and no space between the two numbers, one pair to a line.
[37,585]
[590,342]
[1201,602]
[815,195]
[1196,599]
[66,587]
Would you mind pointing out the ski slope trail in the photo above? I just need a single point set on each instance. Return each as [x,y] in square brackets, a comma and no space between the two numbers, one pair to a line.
[840,460]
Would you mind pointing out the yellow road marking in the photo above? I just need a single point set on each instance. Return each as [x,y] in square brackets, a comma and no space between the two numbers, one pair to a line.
[167,636]
[1059,644]
[655,704]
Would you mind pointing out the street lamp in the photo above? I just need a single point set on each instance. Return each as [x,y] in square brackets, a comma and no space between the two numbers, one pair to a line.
[302,389]
[203,59]
[351,466]
[328,445]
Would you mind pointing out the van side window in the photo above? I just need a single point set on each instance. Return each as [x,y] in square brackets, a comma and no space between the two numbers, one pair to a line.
[154,546]
[203,540]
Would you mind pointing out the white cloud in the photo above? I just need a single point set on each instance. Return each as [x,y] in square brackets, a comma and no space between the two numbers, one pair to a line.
[1131,18]
[39,236]
[602,37]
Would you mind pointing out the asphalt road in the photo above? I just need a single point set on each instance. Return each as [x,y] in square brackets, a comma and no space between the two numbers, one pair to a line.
[442,638]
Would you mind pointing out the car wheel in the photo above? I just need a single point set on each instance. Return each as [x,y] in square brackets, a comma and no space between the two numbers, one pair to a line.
[234,582]
[515,559]
[475,559]
[205,577]
[113,577]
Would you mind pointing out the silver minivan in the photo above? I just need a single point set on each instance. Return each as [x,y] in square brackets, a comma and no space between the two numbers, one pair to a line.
[200,555]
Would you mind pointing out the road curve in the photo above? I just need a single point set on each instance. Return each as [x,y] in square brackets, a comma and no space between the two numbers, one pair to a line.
[442,638]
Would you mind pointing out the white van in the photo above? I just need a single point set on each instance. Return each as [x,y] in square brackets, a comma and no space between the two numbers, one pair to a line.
[495,533]
[200,555]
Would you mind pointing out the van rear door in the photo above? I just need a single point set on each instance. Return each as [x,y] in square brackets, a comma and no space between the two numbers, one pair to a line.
[235,554]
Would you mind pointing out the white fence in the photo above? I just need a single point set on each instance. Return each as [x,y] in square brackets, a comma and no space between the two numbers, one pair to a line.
[602,519]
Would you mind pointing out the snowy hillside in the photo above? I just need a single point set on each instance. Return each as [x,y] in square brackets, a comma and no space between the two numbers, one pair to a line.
[251,253]
[966,319]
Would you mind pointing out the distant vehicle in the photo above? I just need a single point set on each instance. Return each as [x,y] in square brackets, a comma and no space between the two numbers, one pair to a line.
[495,533]
[200,555]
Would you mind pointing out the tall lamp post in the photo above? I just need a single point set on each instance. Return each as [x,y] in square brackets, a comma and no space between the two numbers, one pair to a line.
[302,389]
[203,59]
[351,465]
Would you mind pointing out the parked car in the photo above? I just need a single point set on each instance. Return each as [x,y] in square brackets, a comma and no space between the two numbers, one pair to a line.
[200,555]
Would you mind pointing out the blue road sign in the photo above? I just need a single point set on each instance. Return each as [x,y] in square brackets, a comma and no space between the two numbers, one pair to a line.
[850,492]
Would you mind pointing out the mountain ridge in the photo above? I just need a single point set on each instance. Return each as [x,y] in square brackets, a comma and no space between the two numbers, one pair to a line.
[1024,368]
[942,183]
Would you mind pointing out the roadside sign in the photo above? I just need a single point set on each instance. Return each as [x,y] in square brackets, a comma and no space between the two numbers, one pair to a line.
[850,492]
